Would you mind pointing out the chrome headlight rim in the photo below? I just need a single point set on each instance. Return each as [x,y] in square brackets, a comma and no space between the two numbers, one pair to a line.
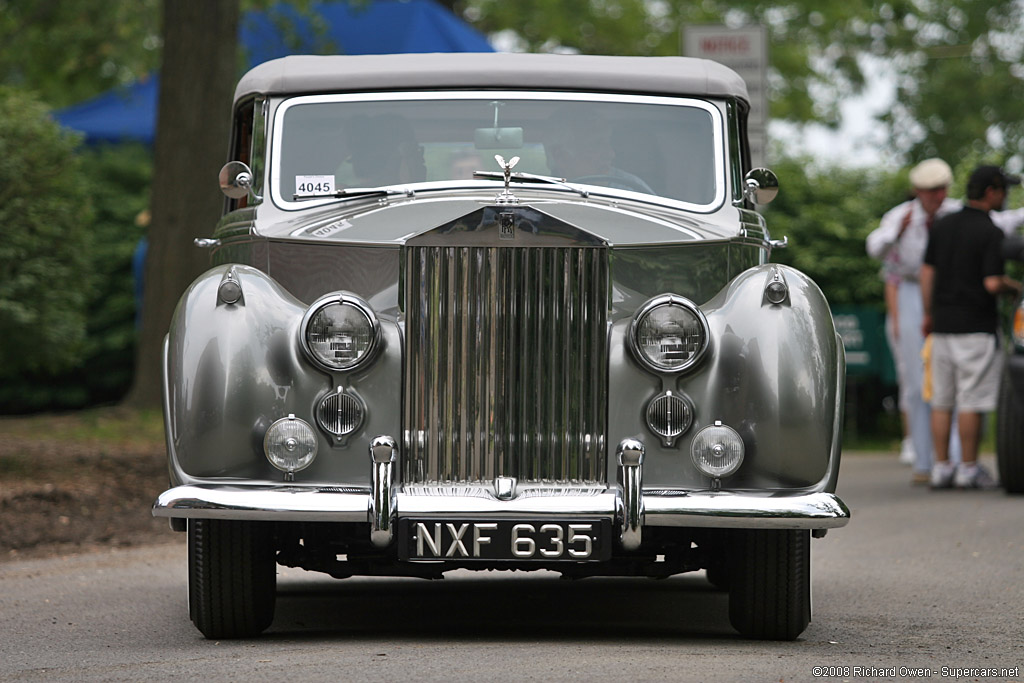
[340,299]
[647,309]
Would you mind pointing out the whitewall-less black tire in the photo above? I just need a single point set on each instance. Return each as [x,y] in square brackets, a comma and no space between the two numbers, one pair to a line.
[232,577]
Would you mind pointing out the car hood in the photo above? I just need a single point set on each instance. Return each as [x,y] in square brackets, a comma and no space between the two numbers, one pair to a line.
[394,222]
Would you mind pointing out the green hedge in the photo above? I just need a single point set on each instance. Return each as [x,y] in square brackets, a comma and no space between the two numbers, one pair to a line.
[68,222]
[827,214]
[45,279]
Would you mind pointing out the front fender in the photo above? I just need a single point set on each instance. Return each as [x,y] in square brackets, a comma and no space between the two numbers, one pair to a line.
[231,370]
[773,372]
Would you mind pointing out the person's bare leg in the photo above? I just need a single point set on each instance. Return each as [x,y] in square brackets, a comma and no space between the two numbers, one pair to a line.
[970,435]
[942,424]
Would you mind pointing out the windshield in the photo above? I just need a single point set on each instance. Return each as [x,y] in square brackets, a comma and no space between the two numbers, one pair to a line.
[671,148]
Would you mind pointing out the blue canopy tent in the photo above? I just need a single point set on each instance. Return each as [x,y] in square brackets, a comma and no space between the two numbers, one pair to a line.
[380,27]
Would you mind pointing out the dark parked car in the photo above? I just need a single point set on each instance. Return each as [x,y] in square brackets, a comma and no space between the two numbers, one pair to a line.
[1010,411]
[499,311]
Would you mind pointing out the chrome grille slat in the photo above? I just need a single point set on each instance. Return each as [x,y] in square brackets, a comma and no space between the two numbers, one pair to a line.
[505,374]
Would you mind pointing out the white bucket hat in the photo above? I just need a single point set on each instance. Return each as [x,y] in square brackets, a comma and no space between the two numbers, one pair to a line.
[931,174]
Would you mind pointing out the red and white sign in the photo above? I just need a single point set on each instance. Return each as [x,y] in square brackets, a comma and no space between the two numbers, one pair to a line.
[745,51]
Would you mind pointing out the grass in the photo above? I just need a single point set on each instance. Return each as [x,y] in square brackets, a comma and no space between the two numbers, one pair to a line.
[112,424]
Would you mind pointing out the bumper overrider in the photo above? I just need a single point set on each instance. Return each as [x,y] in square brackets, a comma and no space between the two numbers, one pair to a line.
[626,505]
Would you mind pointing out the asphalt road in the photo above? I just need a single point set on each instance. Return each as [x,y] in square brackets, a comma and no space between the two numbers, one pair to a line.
[919,580]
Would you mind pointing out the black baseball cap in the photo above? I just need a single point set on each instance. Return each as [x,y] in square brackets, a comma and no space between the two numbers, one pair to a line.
[989,176]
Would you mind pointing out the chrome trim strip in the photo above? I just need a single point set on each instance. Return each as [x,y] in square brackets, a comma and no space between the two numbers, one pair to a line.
[293,504]
[383,454]
[631,460]
[707,105]
[705,509]
[280,503]
[591,503]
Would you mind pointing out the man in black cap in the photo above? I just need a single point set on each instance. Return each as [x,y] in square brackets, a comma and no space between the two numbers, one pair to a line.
[961,277]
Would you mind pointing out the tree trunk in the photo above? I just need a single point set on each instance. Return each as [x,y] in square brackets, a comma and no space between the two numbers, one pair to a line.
[197,81]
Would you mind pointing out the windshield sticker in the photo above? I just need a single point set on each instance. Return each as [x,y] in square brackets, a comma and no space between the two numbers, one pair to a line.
[313,185]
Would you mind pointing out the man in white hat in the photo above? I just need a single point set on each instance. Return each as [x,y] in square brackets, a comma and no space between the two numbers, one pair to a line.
[900,241]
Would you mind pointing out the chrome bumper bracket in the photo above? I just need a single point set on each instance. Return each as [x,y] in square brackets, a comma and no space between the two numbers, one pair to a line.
[383,454]
[631,460]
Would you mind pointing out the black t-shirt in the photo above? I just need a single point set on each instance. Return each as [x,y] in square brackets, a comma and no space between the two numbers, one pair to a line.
[964,248]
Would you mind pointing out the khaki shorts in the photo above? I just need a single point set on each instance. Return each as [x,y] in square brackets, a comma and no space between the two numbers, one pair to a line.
[965,372]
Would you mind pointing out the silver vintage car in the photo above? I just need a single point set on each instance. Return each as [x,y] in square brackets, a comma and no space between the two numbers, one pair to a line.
[499,311]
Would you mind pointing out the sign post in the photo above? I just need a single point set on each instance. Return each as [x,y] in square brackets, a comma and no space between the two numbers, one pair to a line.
[745,51]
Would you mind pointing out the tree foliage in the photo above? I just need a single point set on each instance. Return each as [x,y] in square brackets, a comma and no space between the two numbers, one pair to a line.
[827,213]
[957,65]
[116,180]
[44,218]
[69,50]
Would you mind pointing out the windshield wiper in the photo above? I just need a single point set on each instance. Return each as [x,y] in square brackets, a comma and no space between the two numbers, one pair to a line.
[533,178]
[355,192]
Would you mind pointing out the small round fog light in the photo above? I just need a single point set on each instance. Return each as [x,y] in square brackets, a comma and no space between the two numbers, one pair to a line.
[717,450]
[290,444]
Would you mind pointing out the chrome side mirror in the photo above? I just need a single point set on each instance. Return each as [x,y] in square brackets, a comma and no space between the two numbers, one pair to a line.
[236,180]
[760,186]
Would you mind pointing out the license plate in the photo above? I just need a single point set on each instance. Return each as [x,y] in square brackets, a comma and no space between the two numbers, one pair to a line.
[576,540]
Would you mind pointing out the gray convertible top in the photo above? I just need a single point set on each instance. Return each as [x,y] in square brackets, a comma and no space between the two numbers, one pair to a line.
[362,73]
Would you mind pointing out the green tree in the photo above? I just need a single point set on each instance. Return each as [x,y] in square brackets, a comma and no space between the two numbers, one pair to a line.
[69,50]
[116,178]
[957,64]
[44,220]
[826,212]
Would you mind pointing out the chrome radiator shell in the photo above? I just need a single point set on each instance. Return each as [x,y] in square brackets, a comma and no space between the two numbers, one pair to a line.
[506,352]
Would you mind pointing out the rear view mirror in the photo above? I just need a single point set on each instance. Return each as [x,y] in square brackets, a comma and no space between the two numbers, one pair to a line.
[235,180]
[761,186]
[498,138]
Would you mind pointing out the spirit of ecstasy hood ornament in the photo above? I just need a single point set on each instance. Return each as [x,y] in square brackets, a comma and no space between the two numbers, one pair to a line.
[506,196]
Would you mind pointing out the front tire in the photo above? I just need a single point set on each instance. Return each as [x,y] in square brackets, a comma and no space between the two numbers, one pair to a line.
[1010,437]
[232,577]
[770,583]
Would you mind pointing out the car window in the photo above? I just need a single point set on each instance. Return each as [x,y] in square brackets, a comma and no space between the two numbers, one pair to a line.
[327,143]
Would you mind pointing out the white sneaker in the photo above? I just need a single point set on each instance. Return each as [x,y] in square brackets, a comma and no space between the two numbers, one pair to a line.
[942,475]
[973,477]
[907,455]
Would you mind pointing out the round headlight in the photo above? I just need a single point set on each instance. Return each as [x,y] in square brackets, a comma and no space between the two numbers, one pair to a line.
[340,332]
[669,334]
[717,450]
[290,444]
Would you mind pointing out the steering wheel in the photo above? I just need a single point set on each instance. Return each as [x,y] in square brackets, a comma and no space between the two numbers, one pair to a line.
[614,181]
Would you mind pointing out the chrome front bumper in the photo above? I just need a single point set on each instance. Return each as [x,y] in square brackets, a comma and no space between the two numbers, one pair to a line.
[627,505]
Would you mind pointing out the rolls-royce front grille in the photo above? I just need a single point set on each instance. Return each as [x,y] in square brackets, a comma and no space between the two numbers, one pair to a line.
[506,364]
